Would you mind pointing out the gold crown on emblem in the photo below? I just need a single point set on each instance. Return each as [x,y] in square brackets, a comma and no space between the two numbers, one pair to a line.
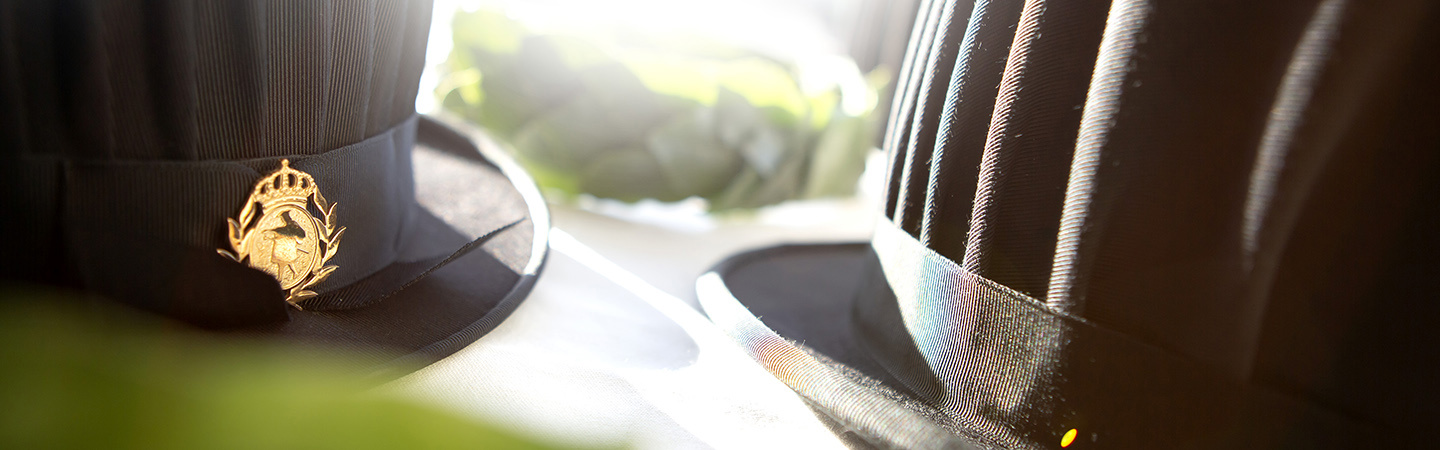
[284,186]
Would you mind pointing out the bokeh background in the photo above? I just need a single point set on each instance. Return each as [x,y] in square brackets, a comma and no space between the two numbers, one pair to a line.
[730,105]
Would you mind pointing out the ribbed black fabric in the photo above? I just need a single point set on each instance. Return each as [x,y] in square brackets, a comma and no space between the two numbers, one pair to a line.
[1165,221]
[897,129]
[1028,146]
[943,197]
[1156,224]
[1239,183]
[1350,240]
[133,79]
[939,62]
[1003,369]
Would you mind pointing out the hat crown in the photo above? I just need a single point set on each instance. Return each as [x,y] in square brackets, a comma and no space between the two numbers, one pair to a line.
[202,81]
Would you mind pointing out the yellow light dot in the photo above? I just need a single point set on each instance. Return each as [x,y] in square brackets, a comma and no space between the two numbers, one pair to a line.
[1069,438]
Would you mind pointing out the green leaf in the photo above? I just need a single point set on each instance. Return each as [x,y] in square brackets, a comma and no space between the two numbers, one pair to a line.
[692,117]
[78,379]
[839,158]
[628,174]
[691,157]
[763,83]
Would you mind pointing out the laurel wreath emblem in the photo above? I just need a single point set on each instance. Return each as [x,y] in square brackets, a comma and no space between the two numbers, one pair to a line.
[240,233]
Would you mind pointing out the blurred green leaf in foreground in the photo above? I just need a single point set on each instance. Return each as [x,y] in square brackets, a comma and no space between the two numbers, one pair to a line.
[634,117]
[72,378]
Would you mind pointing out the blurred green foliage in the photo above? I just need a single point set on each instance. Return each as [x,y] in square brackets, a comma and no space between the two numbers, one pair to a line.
[621,117]
[72,378]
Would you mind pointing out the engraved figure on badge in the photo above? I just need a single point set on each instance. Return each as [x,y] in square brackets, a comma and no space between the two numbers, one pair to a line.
[284,244]
[287,250]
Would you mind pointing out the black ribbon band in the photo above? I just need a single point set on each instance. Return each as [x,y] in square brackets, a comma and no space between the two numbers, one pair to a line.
[147,232]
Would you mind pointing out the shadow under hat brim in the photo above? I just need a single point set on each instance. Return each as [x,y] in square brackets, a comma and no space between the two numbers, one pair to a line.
[790,308]
[823,319]
[469,190]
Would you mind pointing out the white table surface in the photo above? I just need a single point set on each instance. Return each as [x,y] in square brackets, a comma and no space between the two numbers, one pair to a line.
[610,349]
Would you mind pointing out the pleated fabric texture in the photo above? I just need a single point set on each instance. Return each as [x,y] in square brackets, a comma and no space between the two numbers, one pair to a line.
[189,81]
[1157,223]
[1251,187]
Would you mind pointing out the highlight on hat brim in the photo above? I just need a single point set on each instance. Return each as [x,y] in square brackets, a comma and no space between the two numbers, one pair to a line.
[855,400]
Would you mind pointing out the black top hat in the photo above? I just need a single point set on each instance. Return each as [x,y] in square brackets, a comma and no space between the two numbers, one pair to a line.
[258,167]
[1216,231]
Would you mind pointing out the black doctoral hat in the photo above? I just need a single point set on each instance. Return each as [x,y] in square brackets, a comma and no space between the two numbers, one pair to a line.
[258,167]
[1131,224]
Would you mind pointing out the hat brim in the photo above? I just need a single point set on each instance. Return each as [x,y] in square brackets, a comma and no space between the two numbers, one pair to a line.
[468,188]
[790,308]
[823,319]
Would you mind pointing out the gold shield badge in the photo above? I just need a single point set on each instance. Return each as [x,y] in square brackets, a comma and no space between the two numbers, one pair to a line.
[286,241]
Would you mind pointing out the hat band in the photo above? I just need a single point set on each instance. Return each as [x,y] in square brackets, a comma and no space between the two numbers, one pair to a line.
[136,229]
[1017,370]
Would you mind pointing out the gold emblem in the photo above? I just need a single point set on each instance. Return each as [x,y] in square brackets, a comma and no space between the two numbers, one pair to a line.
[287,241]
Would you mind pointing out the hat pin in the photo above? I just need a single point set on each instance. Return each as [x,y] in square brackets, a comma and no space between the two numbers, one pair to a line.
[287,241]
